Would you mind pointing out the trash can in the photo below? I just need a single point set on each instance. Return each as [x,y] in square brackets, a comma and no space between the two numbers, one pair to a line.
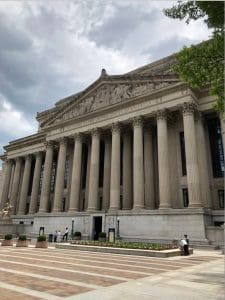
[50,238]
[112,235]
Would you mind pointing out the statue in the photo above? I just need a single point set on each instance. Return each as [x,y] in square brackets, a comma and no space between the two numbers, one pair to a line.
[6,211]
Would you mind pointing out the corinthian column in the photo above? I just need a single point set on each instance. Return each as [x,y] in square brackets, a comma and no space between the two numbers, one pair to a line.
[59,184]
[25,185]
[107,171]
[127,170]
[191,155]
[87,175]
[76,174]
[149,171]
[163,160]
[7,177]
[36,181]
[138,167]
[115,169]
[46,181]
[94,171]
[15,184]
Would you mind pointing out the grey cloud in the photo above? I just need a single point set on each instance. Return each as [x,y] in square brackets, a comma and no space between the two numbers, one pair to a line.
[27,77]
[114,32]
[165,48]
[12,38]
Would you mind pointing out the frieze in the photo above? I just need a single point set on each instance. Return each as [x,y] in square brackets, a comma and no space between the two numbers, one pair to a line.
[110,94]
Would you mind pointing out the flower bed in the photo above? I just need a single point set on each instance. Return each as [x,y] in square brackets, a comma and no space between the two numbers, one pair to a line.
[127,245]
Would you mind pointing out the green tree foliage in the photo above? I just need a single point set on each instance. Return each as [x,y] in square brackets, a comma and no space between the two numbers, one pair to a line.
[202,65]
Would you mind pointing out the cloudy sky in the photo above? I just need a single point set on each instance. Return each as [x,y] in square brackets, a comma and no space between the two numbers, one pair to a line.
[52,49]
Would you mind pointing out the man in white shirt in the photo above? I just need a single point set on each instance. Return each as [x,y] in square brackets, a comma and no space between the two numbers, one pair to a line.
[184,246]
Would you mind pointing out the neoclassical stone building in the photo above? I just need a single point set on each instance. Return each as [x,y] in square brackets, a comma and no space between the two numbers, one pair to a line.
[141,149]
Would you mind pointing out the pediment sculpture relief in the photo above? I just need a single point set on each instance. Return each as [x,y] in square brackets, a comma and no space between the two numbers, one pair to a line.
[110,94]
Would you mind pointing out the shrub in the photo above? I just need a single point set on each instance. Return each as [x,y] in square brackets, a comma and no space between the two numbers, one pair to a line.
[102,235]
[41,238]
[77,233]
[8,237]
[22,237]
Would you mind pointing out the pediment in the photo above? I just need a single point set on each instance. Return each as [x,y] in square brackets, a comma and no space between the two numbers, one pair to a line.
[110,93]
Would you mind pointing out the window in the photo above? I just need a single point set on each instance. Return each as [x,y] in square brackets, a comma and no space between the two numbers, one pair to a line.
[216,147]
[41,179]
[100,203]
[221,198]
[52,186]
[218,223]
[182,153]
[66,174]
[185,197]
[64,204]
[121,201]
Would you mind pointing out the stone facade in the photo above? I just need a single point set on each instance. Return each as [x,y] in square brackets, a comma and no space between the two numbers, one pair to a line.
[134,151]
[1,181]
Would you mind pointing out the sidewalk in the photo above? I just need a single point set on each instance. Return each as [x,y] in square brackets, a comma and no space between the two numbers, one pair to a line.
[200,282]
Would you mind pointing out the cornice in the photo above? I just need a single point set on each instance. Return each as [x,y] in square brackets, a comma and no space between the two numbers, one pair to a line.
[27,141]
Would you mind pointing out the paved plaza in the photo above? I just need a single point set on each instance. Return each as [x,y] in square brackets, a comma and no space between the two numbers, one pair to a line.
[30,273]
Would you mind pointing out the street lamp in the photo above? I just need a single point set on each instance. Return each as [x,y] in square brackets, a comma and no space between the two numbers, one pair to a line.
[72,228]
[118,228]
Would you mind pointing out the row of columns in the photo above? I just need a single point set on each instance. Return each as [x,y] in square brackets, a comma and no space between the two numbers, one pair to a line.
[143,181]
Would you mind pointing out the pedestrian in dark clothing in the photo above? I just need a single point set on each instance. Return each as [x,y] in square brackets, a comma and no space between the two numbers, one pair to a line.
[66,234]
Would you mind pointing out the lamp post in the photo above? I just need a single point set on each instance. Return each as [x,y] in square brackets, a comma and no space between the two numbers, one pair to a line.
[118,228]
[72,228]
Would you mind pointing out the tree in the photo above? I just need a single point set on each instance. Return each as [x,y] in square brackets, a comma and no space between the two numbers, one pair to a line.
[202,65]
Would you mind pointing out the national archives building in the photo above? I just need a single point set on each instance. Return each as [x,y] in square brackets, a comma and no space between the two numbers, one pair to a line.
[140,150]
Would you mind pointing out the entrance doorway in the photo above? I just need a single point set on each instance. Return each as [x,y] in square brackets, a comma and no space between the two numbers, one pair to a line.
[97,228]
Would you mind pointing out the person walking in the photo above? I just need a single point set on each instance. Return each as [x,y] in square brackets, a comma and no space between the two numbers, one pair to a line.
[66,234]
[55,236]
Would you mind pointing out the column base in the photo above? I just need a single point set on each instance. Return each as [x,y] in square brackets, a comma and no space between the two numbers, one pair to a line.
[195,205]
[91,209]
[20,213]
[165,206]
[112,209]
[138,207]
[42,212]
[71,210]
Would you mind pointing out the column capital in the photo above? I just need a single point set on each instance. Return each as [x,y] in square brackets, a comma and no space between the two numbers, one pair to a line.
[9,161]
[62,140]
[95,132]
[18,159]
[138,121]
[78,137]
[28,157]
[189,108]
[38,155]
[115,127]
[49,144]
[162,114]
